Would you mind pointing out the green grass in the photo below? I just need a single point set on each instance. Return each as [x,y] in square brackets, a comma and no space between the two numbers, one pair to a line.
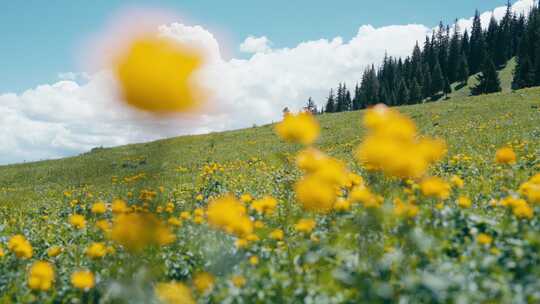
[505,75]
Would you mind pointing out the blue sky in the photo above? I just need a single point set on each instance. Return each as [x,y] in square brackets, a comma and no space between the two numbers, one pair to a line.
[40,38]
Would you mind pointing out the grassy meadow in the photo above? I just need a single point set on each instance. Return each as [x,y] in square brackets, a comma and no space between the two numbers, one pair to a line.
[446,251]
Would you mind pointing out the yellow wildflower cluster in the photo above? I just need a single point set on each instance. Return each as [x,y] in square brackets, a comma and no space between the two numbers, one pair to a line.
[435,187]
[519,207]
[265,205]
[83,279]
[173,293]
[230,215]
[20,246]
[531,189]
[40,276]
[299,128]
[135,231]
[392,146]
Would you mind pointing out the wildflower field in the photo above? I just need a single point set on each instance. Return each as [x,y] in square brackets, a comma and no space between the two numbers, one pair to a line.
[431,203]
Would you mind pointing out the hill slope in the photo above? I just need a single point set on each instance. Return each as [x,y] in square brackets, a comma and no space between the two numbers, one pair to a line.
[469,124]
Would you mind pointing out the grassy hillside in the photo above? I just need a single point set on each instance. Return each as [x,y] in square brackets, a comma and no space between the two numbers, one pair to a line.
[361,255]
[505,75]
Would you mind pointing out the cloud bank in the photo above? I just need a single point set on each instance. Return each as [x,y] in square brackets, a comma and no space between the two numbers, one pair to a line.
[72,116]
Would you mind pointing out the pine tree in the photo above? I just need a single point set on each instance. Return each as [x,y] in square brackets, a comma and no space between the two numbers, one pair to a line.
[330,103]
[415,94]
[437,79]
[447,88]
[427,86]
[403,94]
[463,70]
[454,54]
[488,79]
[357,100]
[477,45]
[524,73]
[466,45]
[491,37]
[311,106]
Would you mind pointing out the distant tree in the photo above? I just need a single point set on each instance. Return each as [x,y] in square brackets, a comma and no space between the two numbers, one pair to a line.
[488,79]
[477,45]
[454,54]
[357,100]
[415,94]
[463,70]
[403,93]
[330,103]
[447,88]
[437,79]
[311,106]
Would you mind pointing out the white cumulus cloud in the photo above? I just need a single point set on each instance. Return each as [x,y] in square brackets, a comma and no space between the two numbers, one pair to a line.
[75,115]
[255,45]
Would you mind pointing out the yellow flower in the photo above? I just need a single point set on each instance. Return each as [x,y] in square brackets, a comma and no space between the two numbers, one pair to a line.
[484,239]
[199,197]
[254,260]
[230,215]
[522,210]
[301,128]
[82,279]
[315,194]
[173,293]
[99,208]
[198,212]
[464,202]
[531,189]
[96,250]
[265,205]
[2,253]
[342,204]
[134,231]
[157,75]
[40,276]
[505,156]
[77,221]
[238,281]
[174,221]
[435,187]
[305,225]
[246,198]
[391,145]
[103,225]
[361,194]
[457,181]
[185,215]
[241,243]
[277,234]
[119,206]
[54,251]
[164,236]
[203,282]
[406,210]
[20,247]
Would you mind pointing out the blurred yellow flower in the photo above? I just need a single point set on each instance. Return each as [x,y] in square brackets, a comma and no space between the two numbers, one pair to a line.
[54,251]
[264,205]
[277,234]
[203,282]
[305,225]
[531,189]
[157,75]
[96,250]
[457,181]
[83,279]
[254,260]
[435,187]
[464,202]
[20,246]
[228,214]
[315,194]
[119,206]
[99,208]
[173,293]
[484,239]
[40,276]
[391,145]
[77,221]
[505,156]
[300,128]
[238,281]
